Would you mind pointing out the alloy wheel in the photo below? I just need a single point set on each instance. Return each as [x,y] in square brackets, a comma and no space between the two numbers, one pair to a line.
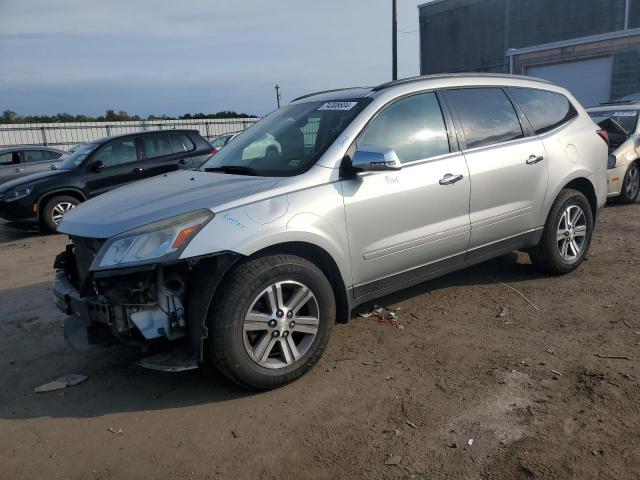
[59,210]
[571,233]
[281,324]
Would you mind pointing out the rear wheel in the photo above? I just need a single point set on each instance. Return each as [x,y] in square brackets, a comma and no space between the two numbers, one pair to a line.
[630,185]
[271,321]
[54,210]
[566,236]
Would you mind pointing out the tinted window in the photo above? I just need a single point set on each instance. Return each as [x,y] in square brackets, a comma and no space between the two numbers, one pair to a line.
[486,114]
[117,152]
[413,127]
[188,143]
[156,145]
[545,110]
[176,144]
[9,158]
[39,155]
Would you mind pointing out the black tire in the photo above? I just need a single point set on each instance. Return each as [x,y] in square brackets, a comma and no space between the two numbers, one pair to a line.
[225,319]
[546,256]
[626,196]
[47,215]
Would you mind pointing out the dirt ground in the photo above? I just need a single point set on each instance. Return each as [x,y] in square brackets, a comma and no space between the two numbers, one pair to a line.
[384,402]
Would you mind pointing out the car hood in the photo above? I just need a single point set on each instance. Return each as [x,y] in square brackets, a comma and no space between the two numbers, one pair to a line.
[156,199]
[30,179]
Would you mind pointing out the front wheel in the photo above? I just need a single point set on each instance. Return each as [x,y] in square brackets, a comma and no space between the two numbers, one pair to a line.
[54,210]
[630,185]
[566,236]
[271,321]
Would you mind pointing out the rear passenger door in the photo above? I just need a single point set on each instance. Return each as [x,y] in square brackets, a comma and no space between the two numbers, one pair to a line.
[507,167]
[164,152]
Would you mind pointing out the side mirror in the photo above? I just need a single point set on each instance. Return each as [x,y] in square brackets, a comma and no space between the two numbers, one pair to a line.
[372,158]
[97,166]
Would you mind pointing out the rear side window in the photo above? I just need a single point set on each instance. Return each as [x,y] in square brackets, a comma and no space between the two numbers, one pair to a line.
[157,145]
[31,156]
[188,143]
[545,110]
[9,158]
[176,144]
[413,127]
[486,114]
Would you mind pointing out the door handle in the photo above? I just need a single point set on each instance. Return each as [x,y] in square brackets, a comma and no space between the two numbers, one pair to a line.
[18,170]
[182,161]
[533,159]
[137,170]
[450,179]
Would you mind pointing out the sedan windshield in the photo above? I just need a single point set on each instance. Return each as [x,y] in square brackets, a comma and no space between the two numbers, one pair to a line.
[74,160]
[288,141]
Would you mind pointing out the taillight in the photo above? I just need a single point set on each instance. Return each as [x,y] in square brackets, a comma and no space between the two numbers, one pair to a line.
[214,151]
[604,136]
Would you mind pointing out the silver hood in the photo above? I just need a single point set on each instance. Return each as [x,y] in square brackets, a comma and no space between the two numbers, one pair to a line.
[158,198]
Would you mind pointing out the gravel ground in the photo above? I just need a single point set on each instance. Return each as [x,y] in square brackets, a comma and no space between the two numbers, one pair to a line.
[473,382]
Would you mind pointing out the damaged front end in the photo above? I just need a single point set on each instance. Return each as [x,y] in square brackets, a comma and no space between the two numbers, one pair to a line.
[157,307]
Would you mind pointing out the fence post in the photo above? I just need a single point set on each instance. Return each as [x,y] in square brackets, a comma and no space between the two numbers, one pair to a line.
[108,127]
[206,129]
[44,135]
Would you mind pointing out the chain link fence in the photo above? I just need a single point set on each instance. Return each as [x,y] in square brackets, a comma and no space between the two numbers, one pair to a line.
[65,135]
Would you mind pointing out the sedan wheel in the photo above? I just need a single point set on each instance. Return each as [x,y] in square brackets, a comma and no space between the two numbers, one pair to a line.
[633,183]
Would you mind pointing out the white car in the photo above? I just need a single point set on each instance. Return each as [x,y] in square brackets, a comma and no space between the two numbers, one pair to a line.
[620,121]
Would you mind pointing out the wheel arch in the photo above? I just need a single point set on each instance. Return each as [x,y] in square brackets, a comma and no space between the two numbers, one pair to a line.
[324,261]
[45,197]
[585,186]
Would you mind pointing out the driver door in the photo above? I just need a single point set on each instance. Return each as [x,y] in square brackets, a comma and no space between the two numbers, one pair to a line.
[408,224]
[120,165]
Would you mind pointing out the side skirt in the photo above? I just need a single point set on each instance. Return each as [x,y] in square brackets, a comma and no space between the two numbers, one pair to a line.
[385,286]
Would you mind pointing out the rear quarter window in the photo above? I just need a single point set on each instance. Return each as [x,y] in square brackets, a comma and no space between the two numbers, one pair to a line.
[188,143]
[544,110]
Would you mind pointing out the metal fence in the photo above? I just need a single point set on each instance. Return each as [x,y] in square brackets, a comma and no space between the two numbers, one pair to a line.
[65,135]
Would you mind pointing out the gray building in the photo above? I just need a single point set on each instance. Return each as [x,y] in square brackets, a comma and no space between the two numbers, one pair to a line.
[592,47]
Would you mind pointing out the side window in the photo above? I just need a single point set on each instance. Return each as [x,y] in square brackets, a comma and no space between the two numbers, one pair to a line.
[118,152]
[156,145]
[545,110]
[176,144]
[188,143]
[8,159]
[413,127]
[31,156]
[486,114]
[49,155]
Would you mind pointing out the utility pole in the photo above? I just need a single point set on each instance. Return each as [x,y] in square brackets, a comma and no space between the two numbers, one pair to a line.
[394,41]
[278,95]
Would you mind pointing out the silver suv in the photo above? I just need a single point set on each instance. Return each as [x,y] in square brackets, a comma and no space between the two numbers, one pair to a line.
[248,262]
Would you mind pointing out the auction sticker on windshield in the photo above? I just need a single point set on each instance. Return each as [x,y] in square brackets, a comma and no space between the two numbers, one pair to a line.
[338,106]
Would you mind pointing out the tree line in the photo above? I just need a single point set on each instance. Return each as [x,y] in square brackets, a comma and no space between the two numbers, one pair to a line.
[9,116]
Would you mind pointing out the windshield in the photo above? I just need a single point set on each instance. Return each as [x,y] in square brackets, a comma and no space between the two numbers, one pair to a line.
[626,119]
[78,155]
[288,141]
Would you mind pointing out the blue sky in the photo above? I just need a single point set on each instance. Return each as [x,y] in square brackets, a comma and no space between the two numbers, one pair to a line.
[154,57]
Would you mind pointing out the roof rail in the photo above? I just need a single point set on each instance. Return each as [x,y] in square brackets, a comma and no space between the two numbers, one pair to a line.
[324,91]
[618,102]
[419,78]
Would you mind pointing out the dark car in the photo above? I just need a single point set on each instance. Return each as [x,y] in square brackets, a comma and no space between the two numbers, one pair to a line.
[21,160]
[97,167]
